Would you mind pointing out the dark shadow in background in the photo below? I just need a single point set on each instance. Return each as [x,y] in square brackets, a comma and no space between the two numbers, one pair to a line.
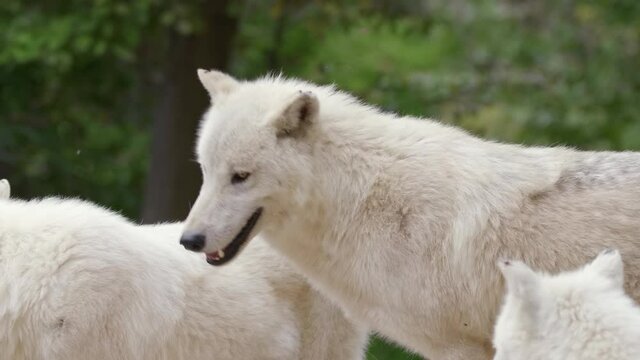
[174,178]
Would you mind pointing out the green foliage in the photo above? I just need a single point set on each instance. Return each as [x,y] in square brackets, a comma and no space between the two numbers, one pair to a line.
[76,109]
[69,67]
[534,72]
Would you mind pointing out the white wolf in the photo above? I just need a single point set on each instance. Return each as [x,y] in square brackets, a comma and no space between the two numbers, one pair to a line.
[79,282]
[577,315]
[405,217]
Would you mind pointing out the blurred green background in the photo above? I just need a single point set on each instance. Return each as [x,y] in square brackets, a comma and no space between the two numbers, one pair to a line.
[99,98]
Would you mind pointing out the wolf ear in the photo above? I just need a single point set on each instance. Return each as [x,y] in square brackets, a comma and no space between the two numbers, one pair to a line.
[522,293]
[5,189]
[297,116]
[217,83]
[520,279]
[609,264]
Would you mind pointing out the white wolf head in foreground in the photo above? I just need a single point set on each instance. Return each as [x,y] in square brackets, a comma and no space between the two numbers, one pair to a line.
[582,314]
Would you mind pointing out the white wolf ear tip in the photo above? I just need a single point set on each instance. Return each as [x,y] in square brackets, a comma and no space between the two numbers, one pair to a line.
[518,276]
[610,252]
[307,94]
[503,263]
[309,100]
[609,264]
[299,114]
[213,74]
[5,189]
[216,82]
[205,74]
[507,265]
[611,256]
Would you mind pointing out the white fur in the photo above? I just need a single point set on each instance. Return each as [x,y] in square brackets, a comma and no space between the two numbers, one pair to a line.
[5,189]
[79,282]
[577,315]
[405,217]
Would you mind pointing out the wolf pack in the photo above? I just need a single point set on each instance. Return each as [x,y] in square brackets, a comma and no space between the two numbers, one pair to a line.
[322,220]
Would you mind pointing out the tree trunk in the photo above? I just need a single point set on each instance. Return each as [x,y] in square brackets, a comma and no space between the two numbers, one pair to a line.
[174,178]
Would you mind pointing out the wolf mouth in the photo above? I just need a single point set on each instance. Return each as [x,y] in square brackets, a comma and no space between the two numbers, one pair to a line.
[225,255]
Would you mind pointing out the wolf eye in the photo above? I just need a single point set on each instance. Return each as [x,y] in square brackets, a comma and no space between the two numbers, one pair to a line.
[239,177]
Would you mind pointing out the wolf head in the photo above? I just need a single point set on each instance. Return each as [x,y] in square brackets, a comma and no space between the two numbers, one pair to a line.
[5,189]
[543,314]
[253,147]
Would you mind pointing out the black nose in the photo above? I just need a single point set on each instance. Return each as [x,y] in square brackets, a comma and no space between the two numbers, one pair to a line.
[193,242]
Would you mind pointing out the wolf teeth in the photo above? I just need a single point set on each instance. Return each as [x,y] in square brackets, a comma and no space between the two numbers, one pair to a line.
[220,254]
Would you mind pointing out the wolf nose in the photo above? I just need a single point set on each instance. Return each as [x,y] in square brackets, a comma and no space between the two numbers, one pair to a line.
[193,242]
